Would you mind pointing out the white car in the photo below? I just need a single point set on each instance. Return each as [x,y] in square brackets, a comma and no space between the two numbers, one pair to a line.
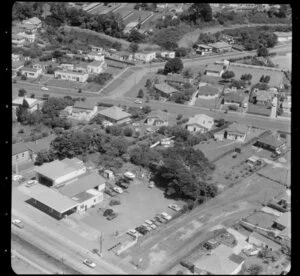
[149,222]
[166,215]
[151,184]
[129,175]
[133,233]
[45,88]
[16,177]
[174,207]
[147,226]
[138,101]
[89,263]
[18,223]
[31,183]
[118,190]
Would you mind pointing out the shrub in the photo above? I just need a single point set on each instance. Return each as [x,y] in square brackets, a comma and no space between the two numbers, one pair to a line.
[114,202]
[179,116]
[108,212]
[45,134]
[128,132]
[23,77]
[21,130]
[233,107]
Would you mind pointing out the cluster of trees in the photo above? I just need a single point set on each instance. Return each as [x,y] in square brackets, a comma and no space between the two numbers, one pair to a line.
[136,36]
[197,13]
[186,92]
[262,52]
[145,6]
[228,75]
[167,21]
[231,17]
[264,79]
[167,38]
[174,65]
[49,115]
[253,37]
[101,78]
[246,77]
[206,38]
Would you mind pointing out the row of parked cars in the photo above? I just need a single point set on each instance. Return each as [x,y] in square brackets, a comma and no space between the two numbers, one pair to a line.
[151,224]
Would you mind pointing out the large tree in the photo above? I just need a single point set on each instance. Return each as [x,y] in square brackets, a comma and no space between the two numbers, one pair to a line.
[262,52]
[174,65]
[198,11]
[133,47]
[228,75]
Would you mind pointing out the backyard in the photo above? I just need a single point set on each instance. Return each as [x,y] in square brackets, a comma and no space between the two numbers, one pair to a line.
[261,219]
[65,84]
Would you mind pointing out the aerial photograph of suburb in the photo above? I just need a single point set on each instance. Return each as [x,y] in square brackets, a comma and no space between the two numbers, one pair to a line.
[151,138]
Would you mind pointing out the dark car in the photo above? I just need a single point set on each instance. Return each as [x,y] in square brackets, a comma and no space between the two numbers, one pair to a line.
[112,216]
[142,229]
[160,219]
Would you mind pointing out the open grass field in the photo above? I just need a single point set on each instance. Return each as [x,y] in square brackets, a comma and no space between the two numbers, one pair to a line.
[259,110]
[92,87]
[262,219]
[64,84]
[136,16]
[208,103]
[113,70]
[125,10]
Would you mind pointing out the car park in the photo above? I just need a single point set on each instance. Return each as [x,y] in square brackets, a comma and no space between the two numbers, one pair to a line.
[174,207]
[166,216]
[18,223]
[89,263]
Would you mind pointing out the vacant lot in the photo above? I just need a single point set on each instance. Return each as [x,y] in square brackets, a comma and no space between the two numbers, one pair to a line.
[92,87]
[64,84]
[261,219]
[136,16]
[208,103]
[113,70]
[124,11]
[137,205]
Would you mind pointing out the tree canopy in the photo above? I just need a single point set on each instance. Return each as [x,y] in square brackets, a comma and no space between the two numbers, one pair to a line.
[174,65]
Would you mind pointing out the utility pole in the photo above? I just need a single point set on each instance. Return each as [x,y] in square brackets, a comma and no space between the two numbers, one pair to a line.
[101,244]
[62,261]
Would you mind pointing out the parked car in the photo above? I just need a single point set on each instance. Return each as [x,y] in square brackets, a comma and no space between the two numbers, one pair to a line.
[151,184]
[112,216]
[138,102]
[18,223]
[166,216]
[16,177]
[142,230]
[45,88]
[174,207]
[89,263]
[149,222]
[31,183]
[160,218]
[156,222]
[129,175]
[118,190]
[133,233]
[110,192]
[147,227]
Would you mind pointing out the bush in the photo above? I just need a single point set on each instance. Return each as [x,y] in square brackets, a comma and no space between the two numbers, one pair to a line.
[21,130]
[45,134]
[283,135]
[114,202]
[233,107]
[108,212]
[179,116]
[23,77]
[128,132]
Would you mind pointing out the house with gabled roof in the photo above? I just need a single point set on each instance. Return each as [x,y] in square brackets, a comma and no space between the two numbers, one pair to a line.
[165,90]
[272,142]
[236,98]
[177,79]
[30,103]
[20,153]
[84,110]
[200,123]
[214,70]
[115,115]
[96,67]
[220,47]
[235,131]
[32,73]
[157,118]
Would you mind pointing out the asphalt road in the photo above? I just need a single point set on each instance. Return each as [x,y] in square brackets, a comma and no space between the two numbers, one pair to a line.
[57,246]
[249,119]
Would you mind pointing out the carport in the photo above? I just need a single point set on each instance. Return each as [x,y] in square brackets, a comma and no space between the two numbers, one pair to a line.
[51,201]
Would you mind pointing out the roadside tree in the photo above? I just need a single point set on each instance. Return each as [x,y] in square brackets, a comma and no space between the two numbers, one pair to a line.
[22,92]
[228,75]
[174,65]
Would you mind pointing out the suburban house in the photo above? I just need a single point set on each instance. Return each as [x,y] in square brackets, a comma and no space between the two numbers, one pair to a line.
[284,36]
[80,67]
[235,98]
[271,142]
[84,110]
[96,67]
[30,103]
[72,76]
[157,118]
[123,55]
[228,39]
[276,75]
[16,66]
[200,123]
[234,131]
[221,261]
[165,90]
[177,79]
[15,58]
[238,47]
[130,26]
[96,49]
[67,66]
[203,49]
[20,153]
[57,172]
[94,56]
[33,21]
[17,40]
[220,47]
[168,54]
[262,241]
[147,57]
[27,36]
[214,70]
[44,65]
[31,72]
[287,106]
[115,115]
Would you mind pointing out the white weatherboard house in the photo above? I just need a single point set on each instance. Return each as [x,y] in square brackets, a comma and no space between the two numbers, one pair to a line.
[147,57]
[96,67]
[200,122]
[71,76]
[31,72]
